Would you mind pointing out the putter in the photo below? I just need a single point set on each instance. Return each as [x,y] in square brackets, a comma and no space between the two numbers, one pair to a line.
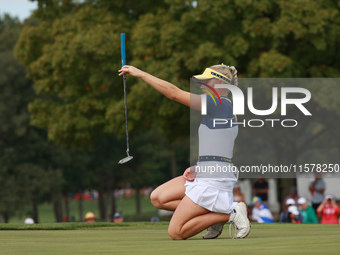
[122,47]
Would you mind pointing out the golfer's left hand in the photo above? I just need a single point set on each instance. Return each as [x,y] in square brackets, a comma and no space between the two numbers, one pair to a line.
[131,70]
[190,174]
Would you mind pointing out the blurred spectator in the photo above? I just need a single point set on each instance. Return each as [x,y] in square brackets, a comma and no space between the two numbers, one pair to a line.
[94,194]
[307,212]
[238,195]
[260,189]
[292,195]
[127,192]
[117,218]
[147,191]
[317,189]
[121,193]
[155,219]
[29,221]
[90,217]
[289,202]
[294,215]
[260,212]
[284,216]
[329,211]
[116,193]
[86,195]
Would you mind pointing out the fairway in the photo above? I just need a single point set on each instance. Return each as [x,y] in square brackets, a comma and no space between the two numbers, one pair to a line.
[152,238]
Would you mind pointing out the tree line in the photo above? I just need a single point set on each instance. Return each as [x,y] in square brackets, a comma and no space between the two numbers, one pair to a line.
[70,52]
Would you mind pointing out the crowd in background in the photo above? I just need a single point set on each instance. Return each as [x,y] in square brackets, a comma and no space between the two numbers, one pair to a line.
[322,207]
[295,209]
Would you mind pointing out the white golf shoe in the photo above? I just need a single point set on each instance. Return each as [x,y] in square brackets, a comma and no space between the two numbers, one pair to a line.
[239,220]
[214,231]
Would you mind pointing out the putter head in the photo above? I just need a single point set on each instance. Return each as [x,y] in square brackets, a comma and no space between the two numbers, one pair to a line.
[124,160]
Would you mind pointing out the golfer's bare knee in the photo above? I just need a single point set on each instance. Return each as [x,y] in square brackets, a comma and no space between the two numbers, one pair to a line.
[175,234]
[154,197]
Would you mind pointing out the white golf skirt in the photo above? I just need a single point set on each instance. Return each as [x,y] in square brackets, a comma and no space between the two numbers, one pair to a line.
[213,194]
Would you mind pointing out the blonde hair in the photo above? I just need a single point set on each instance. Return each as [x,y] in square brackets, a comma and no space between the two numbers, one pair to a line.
[229,71]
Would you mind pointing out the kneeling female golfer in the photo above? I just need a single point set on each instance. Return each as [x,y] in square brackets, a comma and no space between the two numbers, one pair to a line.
[203,201]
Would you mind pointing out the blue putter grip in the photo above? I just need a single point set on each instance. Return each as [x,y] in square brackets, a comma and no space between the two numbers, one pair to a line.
[122,48]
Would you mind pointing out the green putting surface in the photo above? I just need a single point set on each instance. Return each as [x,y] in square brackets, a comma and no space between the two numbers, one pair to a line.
[152,238]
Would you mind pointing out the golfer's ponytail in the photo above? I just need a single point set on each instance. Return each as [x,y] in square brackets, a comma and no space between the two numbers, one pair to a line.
[234,73]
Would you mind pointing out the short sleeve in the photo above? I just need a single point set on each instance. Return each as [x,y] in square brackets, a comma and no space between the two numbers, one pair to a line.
[337,210]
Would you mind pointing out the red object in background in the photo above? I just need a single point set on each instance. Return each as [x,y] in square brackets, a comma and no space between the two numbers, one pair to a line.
[84,196]
[329,214]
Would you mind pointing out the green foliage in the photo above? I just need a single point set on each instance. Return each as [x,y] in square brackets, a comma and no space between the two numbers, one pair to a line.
[11,129]
[73,54]
[30,165]
[151,160]
[73,71]
[14,129]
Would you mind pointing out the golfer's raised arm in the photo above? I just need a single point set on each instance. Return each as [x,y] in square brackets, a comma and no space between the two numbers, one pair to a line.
[166,88]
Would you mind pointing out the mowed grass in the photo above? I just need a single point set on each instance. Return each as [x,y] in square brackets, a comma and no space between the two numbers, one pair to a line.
[152,238]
